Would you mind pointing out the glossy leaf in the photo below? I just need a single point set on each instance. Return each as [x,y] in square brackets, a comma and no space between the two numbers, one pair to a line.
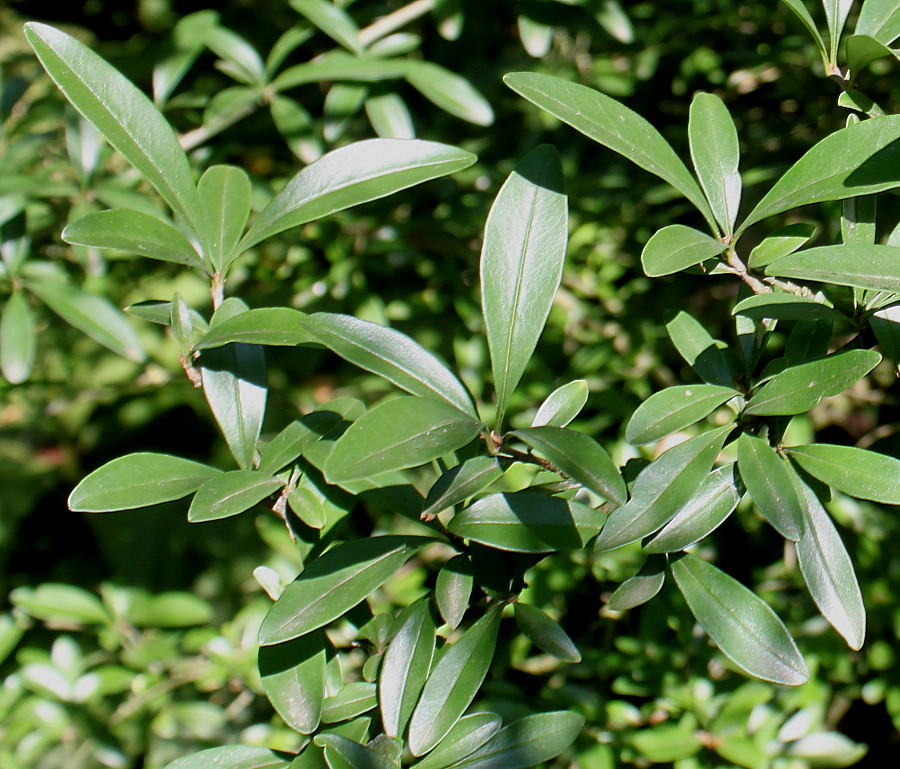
[332,20]
[856,472]
[828,570]
[715,153]
[449,91]
[234,757]
[292,441]
[392,355]
[862,50]
[701,352]
[545,633]
[662,489]
[405,667]
[637,590]
[402,432]
[293,679]
[351,701]
[138,480]
[466,736]
[578,456]
[527,523]
[863,266]
[782,242]
[675,248]
[134,232]
[351,175]
[342,753]
[334,583]
[453,683]
[521,265]
[769,480]
[798,388]
[611,124]
[461,482]
[527,742]
[741,624]
[453,589]
[225,196]
[230,494]
[784,307]
[93,315]
[278,326]
[880,19]
[673,409]
[562,405]
[18,339]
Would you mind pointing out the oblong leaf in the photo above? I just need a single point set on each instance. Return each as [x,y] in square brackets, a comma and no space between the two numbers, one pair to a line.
[18,339]
[351,700]
[461,482]
[234,757]
[637,590]
[231,494]
[880,19]
[449,91]
[343,753]
[334,583]
[715,153]
[467,735]
[701,352]
[673,409]
[333,20]
[740,623]
[453,589]
[545,633]
[784,307]
[225,196]
[521,265]
[293,679]
[800,10]
[389,116]
[782,242]
[857,472]
[675,248]
[562,405]
[278,326]
[769,481]
[60,603]
[862,266]
[138,480]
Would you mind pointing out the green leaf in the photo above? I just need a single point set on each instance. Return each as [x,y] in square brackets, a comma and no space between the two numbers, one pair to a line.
[699,349]
[885,323]
[798,388]
[239,59]
[352,700]
[826,749]
[342,102]
[715,153]
[856,472]
[169,609]
[580,457]
[18,340]
[863,266]
[562,405]
[527,523]
[134,232]
[225,196]
[784,307]
[536,37]
[527,742]
[467,735]
[782,242]
[11,633]
[453,589]
[828,570]
[862,50]
[333,21]
[93,315]
[521,265]
[233,757]
[638,589]
[351,175]
[662,489]
[799,8]
[461,482]
[858,220]
[769,481]
[60,604]
[613,125]
[293,678]
[675,248]
[666,743]
[123,114]
[453,684]
[293,440]
[389,116]
[836,12]
[706,510]
[340,66]
[392,355]
[673,409]
[880,19]
[741,624]
[857,160]
[405,667]
[449,91]
[334,583]
[277,326]
[342,753]
[545,633]
[138,480]
[402,432]
[161,313]
[230,494]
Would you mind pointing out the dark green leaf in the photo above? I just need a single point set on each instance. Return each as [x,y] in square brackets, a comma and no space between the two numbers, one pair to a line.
[231,493]
[545,633]
[699,349]
[449,91]
[857,472]
[562,405]
[466,736]
[342,753]
[225,196]
[239,59]
[138,480]
[453,589]
[234,757]
[638,589]
[161,312]
[461,482]
[521,265]
[802,13]
[18,340]
[352,700]
[742,625]
[862,50]
[293,678]
[886,325]
[880,19]
[784,307]
[836,16]
[673,409]
[863,266]
[278,326]
[291,442]
[769,481]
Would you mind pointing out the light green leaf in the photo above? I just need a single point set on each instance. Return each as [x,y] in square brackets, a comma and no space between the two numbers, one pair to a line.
[613,125]
[856,472]
[466,736]
[453,684]
[453,589]
[715,152]
[234,757]
[333,21]
[402,432]
[673,409]
[827,749]
[798,388]
[340,66]
[580,457]
[278,326]
[562,405]
[293,679]
[93,315]
[225,196]
[449,91]
[741,624]
[134,232]
[389,116]
[863,266]
[243,62]
[701,352]
[334,583]
[461,482]
[536,37]
[545,633]
[230,494]
[666,743]
[138,480]
[169,609]
[675,248]
[782,242]
[527,523]
[351,175]
[769,481]
[521,265]
[880,19]
[18,340]
[60,604]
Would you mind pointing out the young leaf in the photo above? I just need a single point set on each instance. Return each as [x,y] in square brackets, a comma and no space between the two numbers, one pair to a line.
[675,248]
[293,679]
[453,589]
[580,457]
[699,349]
[453,684]
[715,153]
[562,405]
[225,196]
[405,667]
[521,265]
[527,523]
[460,483]
[334,583]
[856,472]
[828,570]
[880,19]
[231,493]
[467,735]
[138,480]
[874,267]
[798,388]
[768,479]
[18,340]
[740,623]
[351,175]
[278,326]
[673,409]
[544,633]
[234,757]
[613,125]
[638,589]
[135,232]
[449,91]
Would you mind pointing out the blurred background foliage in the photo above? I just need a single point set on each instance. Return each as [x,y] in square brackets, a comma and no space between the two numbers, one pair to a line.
[128,639]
